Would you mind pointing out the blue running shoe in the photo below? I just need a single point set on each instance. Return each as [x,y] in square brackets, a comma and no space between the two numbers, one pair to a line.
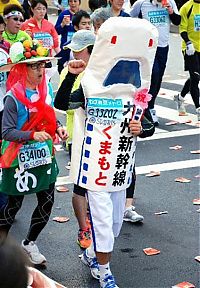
[108,282]
[92,263]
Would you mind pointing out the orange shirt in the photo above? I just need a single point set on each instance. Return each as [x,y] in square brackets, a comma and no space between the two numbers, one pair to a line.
[47,34]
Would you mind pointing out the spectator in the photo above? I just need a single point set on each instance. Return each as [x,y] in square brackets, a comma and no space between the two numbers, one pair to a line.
[13,15]
[190,33]
[159,15]
[41,29]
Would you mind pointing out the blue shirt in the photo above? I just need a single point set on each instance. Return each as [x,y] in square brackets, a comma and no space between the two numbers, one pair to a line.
[68,30]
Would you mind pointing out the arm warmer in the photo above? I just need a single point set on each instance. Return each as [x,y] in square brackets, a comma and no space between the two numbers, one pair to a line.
[175,18]
[184,36]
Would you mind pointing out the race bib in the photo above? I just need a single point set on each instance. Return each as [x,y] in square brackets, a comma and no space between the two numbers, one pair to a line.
[104,111]
[70,35]
[45,39]
[34,155]
[158,18]
[197,23]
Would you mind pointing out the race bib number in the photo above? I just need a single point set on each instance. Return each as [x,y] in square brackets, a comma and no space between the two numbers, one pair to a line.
[197,23]
[34,155]
[158,18]
[104,111]
[45,39]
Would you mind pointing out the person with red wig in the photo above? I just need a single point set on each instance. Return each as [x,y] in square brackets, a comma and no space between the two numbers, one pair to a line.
[28,161]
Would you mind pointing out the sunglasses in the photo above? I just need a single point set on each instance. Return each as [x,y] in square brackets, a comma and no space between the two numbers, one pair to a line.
[18,19]
[36,66]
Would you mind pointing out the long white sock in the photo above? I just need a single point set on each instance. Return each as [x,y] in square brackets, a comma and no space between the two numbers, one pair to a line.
[90,251]
[181,98]
[104,270]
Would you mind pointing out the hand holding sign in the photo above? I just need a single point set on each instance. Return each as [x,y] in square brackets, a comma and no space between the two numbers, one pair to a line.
[141,99]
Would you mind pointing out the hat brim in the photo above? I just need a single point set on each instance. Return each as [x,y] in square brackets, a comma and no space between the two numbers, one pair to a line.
[76,48]
[7,67]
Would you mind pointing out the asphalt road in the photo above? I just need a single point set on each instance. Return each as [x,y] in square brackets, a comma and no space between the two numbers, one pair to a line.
[175,234]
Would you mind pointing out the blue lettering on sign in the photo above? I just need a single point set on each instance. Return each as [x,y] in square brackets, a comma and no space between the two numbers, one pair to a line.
[157,13]
[105,103]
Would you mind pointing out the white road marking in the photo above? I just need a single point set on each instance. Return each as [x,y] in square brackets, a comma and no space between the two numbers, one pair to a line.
[169,95]
[180,133]
[62,180]
[172,115]
[168,166]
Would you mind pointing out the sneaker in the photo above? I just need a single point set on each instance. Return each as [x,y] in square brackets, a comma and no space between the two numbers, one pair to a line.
[84,238]
[130,215]
[198,114]
[197,74]
[180,105]
[108,282]
[91,263]
[68,167]
[154,117]
[33,252]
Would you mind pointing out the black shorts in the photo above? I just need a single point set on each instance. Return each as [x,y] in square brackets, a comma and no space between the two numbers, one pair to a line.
[192,63]
[79,190]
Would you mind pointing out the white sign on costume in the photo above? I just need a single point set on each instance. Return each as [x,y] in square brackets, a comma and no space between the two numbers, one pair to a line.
[120,64]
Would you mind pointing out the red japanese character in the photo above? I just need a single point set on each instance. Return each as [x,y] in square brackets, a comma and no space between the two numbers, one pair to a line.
[101,177]
[105,146]
[104,164]
[105,132]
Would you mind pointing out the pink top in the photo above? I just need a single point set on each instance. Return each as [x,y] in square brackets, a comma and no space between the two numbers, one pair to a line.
[47,34]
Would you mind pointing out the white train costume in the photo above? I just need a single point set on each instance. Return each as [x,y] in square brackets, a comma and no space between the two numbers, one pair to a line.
[121,62]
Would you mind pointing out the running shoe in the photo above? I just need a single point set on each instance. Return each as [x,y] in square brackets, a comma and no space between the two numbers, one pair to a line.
[108,282]
[198,114]
[91,263]
[154,117]
[33,252]
[130,215]
[180,105]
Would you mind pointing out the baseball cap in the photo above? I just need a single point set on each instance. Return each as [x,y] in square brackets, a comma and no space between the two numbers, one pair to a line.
[80,40]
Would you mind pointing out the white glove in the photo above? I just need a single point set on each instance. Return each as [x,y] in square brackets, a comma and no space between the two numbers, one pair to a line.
[190,48]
